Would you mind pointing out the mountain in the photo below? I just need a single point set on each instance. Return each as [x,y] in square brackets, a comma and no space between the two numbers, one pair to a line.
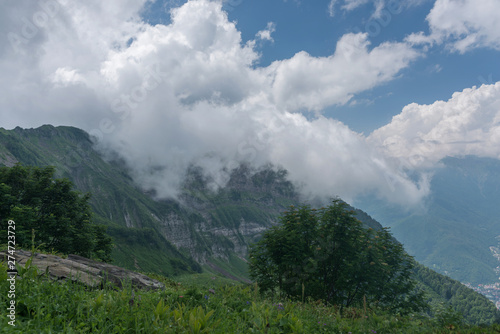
[457,232]
[205,230]
[443,290]
[212,229]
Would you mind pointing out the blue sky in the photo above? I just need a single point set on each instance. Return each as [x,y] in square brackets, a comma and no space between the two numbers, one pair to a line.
[309,26]
[352,97]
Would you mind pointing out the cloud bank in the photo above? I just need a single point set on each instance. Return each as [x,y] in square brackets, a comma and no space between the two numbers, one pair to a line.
[462,25]
[466,124]
[191,92]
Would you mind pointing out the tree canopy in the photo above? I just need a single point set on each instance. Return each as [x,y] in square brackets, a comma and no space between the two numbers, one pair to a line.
[60,216]
[328,255]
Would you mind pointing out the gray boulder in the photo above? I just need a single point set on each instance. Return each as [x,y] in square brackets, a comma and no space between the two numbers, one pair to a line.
[83,270]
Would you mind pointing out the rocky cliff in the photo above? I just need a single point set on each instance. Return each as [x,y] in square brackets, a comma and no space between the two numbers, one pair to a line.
[204,226]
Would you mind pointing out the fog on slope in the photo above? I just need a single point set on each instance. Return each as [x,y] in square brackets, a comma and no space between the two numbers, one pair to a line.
[458,233]
[192,93]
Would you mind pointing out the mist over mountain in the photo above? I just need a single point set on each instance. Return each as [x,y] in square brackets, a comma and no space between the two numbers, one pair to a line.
[202,227]
[456,233]
[194,123]
[207,229]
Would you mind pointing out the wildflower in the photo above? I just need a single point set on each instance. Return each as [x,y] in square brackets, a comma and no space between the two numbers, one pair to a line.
[131,301]
[206,297]
[248,303]
[374,331]
[181,296]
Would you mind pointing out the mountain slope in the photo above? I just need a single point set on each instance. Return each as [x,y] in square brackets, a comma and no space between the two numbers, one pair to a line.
[443,290]
[151,235]
[460,224]
[210,228]
[115,200]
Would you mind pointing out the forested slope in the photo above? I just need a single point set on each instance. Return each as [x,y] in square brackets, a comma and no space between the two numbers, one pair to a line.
[206,228]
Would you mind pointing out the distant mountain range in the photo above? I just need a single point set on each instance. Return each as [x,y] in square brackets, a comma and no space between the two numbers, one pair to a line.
[457,232]
[212,230]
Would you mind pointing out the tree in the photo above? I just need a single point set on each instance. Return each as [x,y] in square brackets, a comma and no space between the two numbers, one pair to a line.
[59,216]
[328,255]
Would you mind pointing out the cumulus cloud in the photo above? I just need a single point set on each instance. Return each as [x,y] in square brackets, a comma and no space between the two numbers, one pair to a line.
[168,96]
[466,124]
[45,44]
[462,25]
[306,82]
[341,160]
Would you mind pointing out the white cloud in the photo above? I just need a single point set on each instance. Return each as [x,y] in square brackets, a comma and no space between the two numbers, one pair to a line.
[392,6]
[306,82]
[324,154]
[466,124]
[66,77]
[167,96]
[379,7]
[463,25]
[265,34]
[331,8]
[353,4]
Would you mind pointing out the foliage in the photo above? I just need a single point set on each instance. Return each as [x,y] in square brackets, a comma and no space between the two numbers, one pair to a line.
[327,254]
[440,290]
[46,306]
[59,216]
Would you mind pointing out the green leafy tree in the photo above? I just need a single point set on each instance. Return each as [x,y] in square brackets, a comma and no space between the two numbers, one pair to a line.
[60,216]
[328,254]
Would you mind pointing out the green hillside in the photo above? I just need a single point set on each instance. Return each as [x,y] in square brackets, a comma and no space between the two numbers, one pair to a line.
[114,197]
[210,231]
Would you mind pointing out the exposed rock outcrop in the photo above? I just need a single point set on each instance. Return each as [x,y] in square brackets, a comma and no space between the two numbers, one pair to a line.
[83,270]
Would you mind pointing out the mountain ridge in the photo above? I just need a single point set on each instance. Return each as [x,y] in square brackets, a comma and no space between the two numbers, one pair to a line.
[210,230]
[205,228]
[455,233]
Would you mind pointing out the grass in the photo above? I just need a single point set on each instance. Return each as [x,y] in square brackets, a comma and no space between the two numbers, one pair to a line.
[201,303]
[234,266]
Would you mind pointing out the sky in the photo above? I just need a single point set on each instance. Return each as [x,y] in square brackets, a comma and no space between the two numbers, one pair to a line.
[352,97]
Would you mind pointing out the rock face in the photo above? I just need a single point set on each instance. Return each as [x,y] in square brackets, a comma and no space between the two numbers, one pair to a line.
[83,270]
[204,223]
